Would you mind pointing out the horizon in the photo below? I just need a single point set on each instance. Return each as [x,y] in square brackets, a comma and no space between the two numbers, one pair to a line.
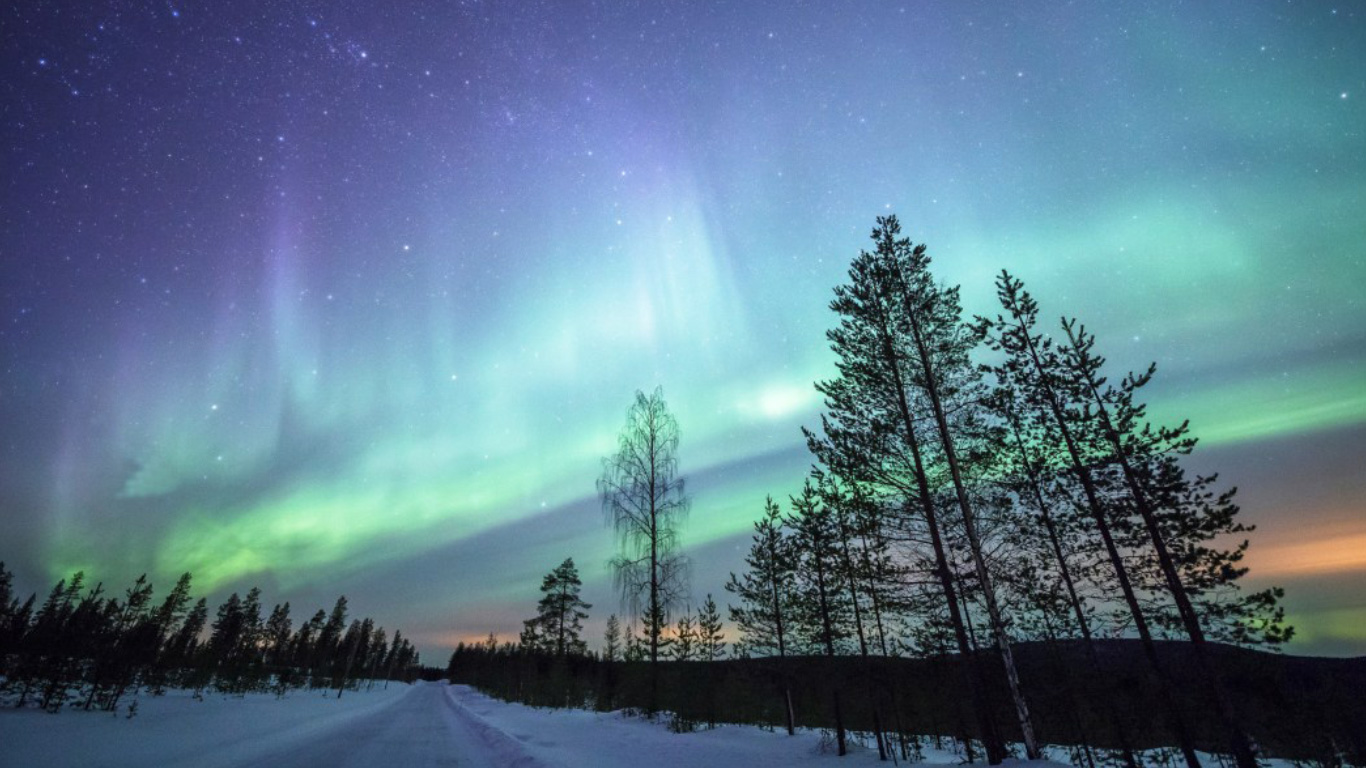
[354,302]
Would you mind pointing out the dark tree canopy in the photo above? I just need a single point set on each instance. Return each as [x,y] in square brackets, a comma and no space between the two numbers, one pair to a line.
[558,623]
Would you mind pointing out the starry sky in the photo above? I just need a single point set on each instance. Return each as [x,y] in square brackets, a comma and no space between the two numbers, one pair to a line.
[352,297]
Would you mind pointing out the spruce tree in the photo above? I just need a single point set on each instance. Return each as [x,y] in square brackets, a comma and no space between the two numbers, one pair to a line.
[710,635]
[634,649]
[684,645]
[611,647]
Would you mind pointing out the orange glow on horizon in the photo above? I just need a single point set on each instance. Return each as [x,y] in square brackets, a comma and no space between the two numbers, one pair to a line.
[1332,550]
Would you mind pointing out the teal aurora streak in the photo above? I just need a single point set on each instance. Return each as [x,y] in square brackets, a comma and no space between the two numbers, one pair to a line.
[363,302]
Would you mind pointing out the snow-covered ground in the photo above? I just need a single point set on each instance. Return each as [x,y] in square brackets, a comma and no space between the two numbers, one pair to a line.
[430,724]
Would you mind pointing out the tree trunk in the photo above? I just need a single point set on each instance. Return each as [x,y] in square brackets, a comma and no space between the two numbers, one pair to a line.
[862,641]
[1092,657]
[986,730]
[975,545]
[828,632]
[782,646]
[350,657]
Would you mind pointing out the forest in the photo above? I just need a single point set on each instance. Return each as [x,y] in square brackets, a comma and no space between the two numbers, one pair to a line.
[994,546]
[84,649]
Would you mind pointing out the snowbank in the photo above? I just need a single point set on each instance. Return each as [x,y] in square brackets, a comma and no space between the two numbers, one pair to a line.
[177,730]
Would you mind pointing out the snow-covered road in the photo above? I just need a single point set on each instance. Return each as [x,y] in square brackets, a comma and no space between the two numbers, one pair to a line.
[416,726]
[422,725]
[424,728]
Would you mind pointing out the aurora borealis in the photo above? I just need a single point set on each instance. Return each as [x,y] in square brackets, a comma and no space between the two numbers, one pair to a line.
[353,297]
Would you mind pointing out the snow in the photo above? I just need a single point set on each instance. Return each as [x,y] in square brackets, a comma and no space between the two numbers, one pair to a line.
[427,724]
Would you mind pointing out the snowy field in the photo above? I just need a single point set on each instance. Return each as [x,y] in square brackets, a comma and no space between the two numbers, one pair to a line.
[430,724]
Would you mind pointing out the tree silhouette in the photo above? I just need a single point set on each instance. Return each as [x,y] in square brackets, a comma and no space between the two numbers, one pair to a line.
[561,612]
[611,639]
[766,591]
[643,500]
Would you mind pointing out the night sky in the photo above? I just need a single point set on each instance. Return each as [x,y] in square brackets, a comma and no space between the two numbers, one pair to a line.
[353,297]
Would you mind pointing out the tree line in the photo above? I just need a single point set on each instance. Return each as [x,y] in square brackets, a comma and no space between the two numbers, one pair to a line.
[82,647]
[984,496]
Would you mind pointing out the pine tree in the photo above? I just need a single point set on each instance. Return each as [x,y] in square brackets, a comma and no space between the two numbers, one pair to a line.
[226,638]
[848,505]
[15,627]
[326,647]
[931,316]
[305,640]
[765,589]
[532,638]
[351,645]
[185,641]
[1045,387]
[7,602]
[821,612]
[105,647]
[276,635]
[1027,464]
[63,624]
[172,610]
[378,651]
[1130,440]
[766,592]
[561,611]
[1194,518]
[249,644]
[903,360]
[131,645]
[391,658]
